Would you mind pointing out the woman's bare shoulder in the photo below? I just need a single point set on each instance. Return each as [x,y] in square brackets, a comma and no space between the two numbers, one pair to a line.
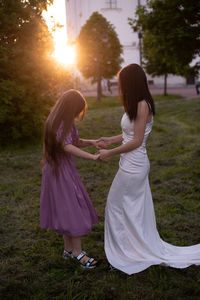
[143,103]
[143,107]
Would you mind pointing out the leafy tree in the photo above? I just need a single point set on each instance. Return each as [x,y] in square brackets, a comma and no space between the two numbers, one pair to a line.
[99,50]
[171,38]
[28,74]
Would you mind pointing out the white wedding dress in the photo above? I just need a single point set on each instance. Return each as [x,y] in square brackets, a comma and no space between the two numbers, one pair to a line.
[132,242]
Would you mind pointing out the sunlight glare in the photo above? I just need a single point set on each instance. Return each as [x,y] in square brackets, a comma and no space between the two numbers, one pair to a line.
[64,53]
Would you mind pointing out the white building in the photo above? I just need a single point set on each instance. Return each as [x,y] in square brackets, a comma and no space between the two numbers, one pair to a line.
[117,13]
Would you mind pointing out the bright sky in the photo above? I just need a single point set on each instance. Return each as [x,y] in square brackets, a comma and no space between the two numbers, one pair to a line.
[56,13]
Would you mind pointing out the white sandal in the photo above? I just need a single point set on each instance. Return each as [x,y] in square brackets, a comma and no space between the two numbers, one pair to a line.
[87,264]
[67,254]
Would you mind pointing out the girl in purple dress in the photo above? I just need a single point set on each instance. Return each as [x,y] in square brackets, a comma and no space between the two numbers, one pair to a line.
[65,205]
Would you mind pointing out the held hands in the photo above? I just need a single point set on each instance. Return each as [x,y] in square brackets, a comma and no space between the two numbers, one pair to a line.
[101,155]
[101,144]
[104,155]
[96,156]
[94,143]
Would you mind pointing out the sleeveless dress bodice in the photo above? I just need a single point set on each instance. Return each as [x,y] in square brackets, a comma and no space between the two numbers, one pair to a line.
[128,160]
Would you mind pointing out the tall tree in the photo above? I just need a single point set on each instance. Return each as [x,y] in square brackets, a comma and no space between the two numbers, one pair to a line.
[99,50]
[28,73]
[171,36]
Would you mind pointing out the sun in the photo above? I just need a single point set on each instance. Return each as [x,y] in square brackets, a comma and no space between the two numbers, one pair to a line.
[64,53]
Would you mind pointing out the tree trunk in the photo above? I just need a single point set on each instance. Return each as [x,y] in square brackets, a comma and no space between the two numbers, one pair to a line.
[99,90]
[165,84]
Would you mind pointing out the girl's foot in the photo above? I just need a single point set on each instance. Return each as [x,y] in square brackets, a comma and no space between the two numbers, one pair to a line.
[67,254]
[85,261]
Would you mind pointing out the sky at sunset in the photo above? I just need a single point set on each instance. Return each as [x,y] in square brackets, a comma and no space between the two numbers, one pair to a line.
[56,14]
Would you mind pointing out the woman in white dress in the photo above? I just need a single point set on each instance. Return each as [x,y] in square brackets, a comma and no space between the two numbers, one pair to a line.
[132,242]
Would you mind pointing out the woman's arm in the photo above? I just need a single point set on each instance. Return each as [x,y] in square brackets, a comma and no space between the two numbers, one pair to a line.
[81,143]
[139,130]
[104,142]
[80,153]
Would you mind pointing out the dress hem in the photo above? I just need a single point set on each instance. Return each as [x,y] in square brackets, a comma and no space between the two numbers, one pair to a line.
[80,233]
[146,265]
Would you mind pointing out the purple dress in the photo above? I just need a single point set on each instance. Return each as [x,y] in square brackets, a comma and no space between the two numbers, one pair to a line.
[65,205]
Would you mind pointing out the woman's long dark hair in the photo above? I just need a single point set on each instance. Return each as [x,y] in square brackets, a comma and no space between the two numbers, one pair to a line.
[61,118]
[133,88]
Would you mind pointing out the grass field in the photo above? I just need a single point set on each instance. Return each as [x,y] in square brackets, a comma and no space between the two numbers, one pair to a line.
[31,264]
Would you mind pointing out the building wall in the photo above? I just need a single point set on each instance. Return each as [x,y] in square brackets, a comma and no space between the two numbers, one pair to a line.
[78,11]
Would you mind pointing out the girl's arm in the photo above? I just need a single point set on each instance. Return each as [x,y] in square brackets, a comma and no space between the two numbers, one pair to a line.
[81,143]
[139,130]
[80,153]
[104,142]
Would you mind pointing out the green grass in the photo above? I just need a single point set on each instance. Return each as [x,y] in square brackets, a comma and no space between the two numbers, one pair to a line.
[167,97]
[108,102]
[31,265]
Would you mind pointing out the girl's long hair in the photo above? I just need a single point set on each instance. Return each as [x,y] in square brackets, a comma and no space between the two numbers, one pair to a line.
[133,88]
[71,105]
